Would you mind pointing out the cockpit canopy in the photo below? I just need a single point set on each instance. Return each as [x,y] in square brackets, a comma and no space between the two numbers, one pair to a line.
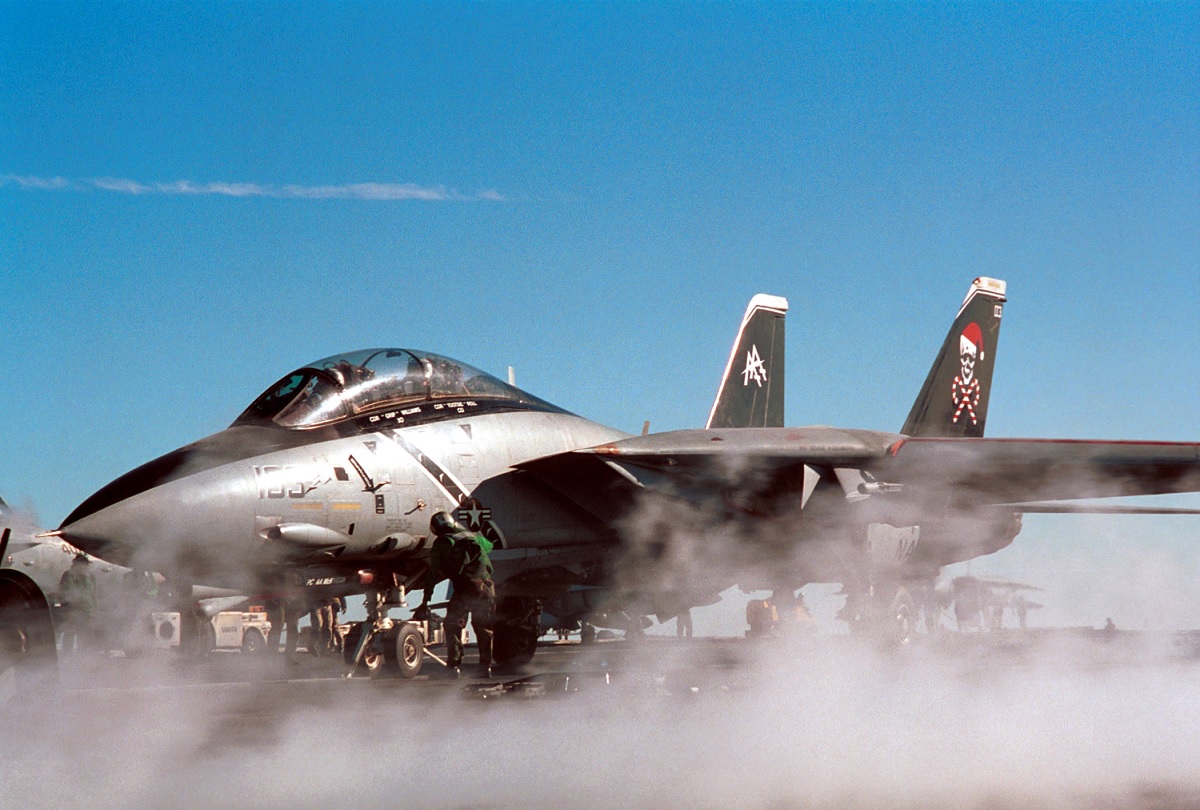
[374,380]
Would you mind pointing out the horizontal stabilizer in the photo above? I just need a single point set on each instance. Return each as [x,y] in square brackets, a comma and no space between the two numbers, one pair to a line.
[989,582]
[1016,471]
[1068,508]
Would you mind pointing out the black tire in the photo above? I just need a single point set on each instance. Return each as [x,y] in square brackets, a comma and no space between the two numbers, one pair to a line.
[587,635]
[404,651]
[27,644]
[372,661]
[513,646]
[253,642]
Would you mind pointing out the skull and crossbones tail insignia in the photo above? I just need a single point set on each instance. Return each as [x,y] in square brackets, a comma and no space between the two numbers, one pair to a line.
[965,388]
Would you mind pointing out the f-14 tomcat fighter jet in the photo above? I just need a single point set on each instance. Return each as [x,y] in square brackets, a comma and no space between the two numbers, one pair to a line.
[331,476]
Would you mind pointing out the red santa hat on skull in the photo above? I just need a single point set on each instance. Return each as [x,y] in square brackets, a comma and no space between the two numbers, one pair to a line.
[971,341]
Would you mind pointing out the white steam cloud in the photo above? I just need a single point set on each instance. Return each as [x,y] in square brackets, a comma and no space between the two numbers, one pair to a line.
[1059,719]
[1062,719]
[793,724]
[347,191]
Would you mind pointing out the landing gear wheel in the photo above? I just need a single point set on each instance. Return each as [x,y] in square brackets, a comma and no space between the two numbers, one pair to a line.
[513,646]
[253,642]
[516,625]
[404,651]
[587,635]
[26,632]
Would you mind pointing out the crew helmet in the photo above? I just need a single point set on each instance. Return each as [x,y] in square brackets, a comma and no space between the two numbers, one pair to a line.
[443,522]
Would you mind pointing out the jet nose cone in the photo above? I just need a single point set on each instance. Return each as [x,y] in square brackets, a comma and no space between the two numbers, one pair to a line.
[148,476]
[156,519]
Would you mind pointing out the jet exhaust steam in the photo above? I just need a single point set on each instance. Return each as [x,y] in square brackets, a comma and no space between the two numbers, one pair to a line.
[809,722]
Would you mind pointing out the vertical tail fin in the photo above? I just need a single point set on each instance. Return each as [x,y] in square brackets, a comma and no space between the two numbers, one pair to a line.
[751,392]
[954,400]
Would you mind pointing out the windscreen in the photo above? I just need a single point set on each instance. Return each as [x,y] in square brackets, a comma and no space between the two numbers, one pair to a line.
[347,385]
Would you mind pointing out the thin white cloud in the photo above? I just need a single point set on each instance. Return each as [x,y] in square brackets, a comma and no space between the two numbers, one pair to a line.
[374,191]
[52,183]
[119,185]
[347,191]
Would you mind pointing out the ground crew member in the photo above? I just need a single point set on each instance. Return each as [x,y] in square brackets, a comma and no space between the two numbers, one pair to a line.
[337,605]
[283,614]
[284,605]
[77,593]
[138,593]
[1022,611]
[292,608]
[683,624]
[320,618]
[761,616]
[274,609]
[462,557]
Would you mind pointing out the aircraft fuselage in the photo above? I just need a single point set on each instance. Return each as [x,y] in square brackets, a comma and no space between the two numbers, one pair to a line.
[230,506]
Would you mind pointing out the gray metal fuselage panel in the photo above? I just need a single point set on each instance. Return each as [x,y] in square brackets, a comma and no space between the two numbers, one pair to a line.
[360,497]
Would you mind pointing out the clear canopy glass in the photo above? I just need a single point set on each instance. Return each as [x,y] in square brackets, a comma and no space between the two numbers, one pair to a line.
[347,385]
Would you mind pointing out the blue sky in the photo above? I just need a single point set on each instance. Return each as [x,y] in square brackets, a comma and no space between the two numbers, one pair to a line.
[196,198]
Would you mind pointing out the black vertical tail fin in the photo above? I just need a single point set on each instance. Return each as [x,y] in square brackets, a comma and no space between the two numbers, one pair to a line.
[954,400]
[751,392]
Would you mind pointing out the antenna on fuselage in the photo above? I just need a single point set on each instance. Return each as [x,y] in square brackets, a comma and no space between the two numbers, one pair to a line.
[512,377]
